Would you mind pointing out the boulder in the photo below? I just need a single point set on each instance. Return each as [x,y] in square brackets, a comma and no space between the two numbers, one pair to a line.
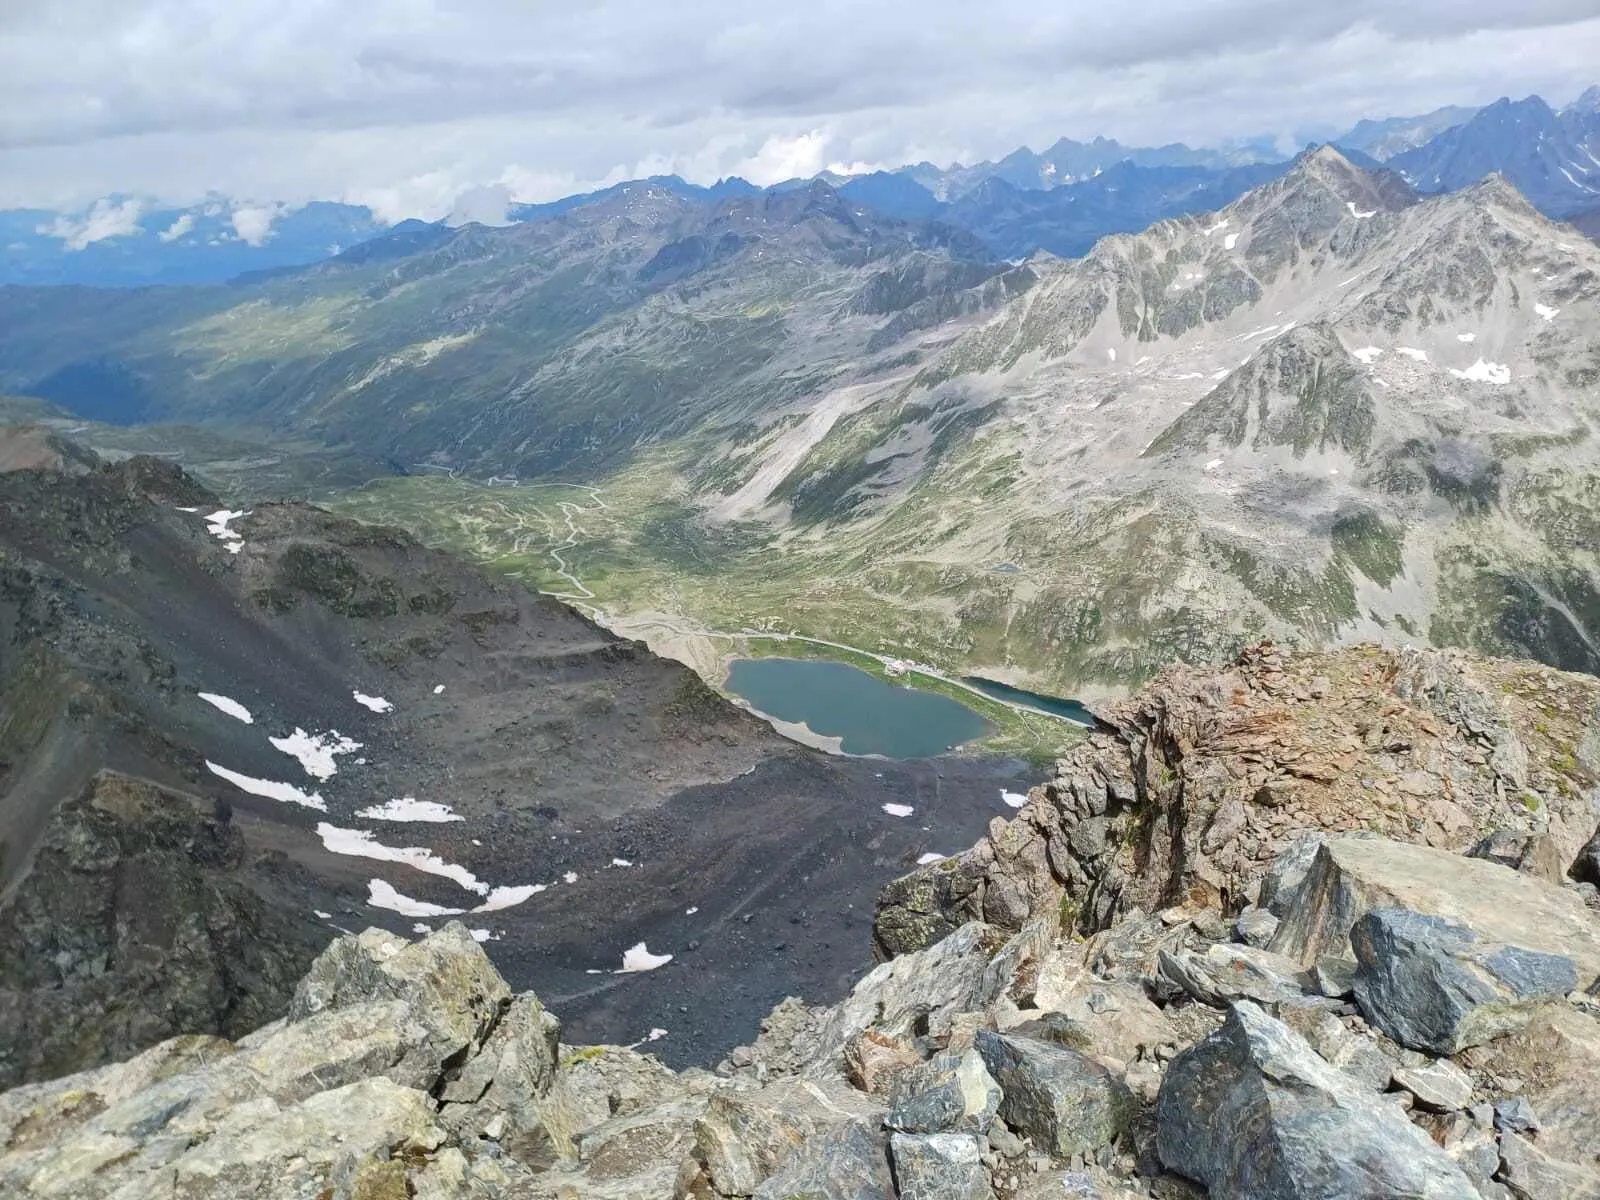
[1440,1086]
[1066,1102]
[1531,853]
[848,1162]
[874,1060]
[939,1166]
[1254,1113]
[450,992]
[1225,973]
[1350,877]
[510,1090]
[954,1093]
[745,1136]
[1433,985]
[1256,926]
[1533,1175]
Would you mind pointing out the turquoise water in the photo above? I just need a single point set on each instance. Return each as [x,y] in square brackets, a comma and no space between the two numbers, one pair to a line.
[1070,709]
[870,715]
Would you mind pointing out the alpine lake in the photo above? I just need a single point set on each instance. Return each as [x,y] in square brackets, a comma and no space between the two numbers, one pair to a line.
[871,715]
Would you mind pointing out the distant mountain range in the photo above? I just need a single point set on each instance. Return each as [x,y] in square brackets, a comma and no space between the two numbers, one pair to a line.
[1061,200]
[1335,409]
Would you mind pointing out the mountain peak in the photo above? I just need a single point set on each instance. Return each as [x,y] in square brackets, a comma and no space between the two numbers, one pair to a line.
[1589,102]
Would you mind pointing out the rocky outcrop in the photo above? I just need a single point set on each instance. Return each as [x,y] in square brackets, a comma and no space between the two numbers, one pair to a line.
[1189,790]
[1253,1112]
[1418,1023]
[143,917]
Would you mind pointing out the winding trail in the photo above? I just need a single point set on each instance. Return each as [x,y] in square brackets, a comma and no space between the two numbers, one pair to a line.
[583,599]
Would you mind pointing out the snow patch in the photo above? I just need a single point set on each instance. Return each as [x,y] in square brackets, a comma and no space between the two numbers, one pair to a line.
[620,862]
[316,751]
[638,958]
[287,793]
[1219,376]
[358,843]
[376,703]
[1111,354]
[689,912]
[217,524]
[1213,464]
[420,927]
[409,808]
[1485,372]
[502,898]
[570,877]
[1229,242]
[1468,338]
[438,689]
[1412,353]
[1357,213]
[382,894]
[232,707]
[931,857]
[1014,799]
[317,912]
[1545,311]
[1367,354]
[482,935]
[1217,228]
[898,810]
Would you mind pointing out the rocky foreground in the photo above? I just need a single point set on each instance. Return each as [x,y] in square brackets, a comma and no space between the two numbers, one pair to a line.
[1311,926]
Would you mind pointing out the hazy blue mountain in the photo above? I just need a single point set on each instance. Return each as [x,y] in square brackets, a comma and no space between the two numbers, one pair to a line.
[118,242]
[723,189]
[1126,198]
[1383,139]
[1067,162]
[894,194]
[1553,159]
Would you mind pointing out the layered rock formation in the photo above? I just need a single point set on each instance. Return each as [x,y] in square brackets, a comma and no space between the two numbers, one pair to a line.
[1356,1015]
[1190,789]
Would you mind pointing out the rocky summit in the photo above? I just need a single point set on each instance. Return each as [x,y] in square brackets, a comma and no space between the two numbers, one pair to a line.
[1308,925]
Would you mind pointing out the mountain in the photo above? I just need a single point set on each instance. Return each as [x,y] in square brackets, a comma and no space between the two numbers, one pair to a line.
[1068,220]
[1303,878]
[1335,409]
[225,735]
[1553,159]
[1383,139]
[724,189]
[577,338]
[1067,162]
[122,242]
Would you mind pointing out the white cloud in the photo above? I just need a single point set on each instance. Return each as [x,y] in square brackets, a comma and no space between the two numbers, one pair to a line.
[253,222]
[106,219]
[415,102]
[485,205]
[178,228]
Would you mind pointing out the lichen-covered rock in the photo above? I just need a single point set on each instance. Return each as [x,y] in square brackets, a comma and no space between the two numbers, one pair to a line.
[939,1166]
[1433,985]
[1066,1102]
[1254,1113]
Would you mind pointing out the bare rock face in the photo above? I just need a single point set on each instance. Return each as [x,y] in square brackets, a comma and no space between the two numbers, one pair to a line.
[141,919]
[1254,1113]
[1190,789]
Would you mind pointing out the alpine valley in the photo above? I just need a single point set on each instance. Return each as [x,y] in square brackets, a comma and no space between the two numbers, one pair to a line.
[1334,410]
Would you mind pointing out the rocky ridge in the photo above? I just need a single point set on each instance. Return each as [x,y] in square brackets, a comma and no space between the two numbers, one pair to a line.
[1351,1013]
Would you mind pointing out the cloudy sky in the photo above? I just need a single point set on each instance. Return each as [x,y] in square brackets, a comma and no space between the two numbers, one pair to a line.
[406,104]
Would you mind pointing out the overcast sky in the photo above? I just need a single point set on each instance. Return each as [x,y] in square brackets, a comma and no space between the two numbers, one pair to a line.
[403,104]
